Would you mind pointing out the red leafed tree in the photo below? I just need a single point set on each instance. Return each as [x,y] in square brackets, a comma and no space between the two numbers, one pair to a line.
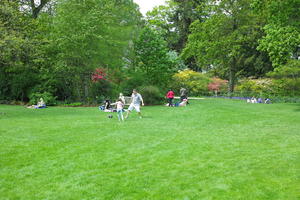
[217,84]
[99,74]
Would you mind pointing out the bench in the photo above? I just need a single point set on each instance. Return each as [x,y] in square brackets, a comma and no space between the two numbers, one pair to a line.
[127,101]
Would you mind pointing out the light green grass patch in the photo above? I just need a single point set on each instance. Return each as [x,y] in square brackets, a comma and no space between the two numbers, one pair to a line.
[211,149]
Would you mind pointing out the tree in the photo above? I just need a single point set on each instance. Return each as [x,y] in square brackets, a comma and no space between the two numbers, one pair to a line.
[20,48]
[152,58]
[36,9]
[282,39]
[173,21]
[226,41]
[160,18]
[86,35]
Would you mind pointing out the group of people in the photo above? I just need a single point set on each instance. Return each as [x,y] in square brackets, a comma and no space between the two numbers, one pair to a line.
[183,98]
[136,102]
[259,100]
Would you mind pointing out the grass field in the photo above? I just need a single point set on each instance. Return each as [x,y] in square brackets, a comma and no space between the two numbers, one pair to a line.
[212,149]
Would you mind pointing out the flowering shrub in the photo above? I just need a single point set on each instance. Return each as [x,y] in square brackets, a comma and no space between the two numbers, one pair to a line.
[196,83]
[99,74]
[255,87]
[218,85]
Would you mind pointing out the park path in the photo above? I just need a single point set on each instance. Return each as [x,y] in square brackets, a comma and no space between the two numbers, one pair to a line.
[191,98]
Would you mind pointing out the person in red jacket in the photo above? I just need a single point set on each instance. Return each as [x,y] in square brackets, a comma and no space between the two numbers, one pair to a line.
[170,97]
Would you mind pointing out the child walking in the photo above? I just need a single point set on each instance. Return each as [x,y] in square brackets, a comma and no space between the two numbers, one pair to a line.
[120,107]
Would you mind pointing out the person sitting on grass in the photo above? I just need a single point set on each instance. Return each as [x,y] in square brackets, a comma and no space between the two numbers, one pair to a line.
[106,107]
[259,100]
[268,101]
[40,104]
[184,102]
[253,100]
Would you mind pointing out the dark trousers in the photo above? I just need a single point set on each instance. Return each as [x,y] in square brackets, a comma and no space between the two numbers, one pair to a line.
[170,100]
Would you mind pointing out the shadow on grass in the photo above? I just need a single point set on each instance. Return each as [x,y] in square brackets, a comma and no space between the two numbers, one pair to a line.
[297,107]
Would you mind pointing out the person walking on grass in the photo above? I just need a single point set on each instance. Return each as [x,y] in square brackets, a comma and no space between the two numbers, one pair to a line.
[120,107]
[136,101]
[170,97]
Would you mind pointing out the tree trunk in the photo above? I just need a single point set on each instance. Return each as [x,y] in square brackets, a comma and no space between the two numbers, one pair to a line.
[36,10]
[231,79]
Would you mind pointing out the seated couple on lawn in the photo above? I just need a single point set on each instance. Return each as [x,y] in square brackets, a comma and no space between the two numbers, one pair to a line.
[40,104]
[259,100]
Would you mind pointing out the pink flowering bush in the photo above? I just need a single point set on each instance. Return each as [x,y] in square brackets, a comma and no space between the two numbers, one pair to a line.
[218,85]
[99,74]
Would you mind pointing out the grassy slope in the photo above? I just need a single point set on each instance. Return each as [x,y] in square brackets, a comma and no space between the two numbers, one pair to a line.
[212,149]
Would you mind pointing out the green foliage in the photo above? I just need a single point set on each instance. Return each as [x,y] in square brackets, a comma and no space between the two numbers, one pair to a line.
[54,46]
[282,29]
[20,47]
[152,58]
[195,82]
[272,88]
[103,88]
[287,87]
[280,43]
[101,38]
[255,87]
[176,61]
[162,19]
[75,104]
[134,80]
[289,70]
[226,41]
[173,21]
[151,95]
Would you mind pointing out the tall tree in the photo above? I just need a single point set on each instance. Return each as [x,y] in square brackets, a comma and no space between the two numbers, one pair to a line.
[20,48]
[36,8]
[90,34]
[226,41]
[282,39]
[152,58]
[174,20]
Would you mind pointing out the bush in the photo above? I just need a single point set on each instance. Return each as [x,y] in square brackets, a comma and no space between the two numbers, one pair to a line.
[277,99]
[48,98]
[285,87]
[196,83]
[151,95]
[75,104]
[101,89]
[255,87]
[135,80]
[218,85]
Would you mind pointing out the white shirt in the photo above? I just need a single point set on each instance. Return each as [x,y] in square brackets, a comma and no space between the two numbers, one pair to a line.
[119,105]
[136,99]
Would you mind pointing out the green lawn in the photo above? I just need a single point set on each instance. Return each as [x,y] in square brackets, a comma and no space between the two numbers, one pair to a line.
[212,149]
